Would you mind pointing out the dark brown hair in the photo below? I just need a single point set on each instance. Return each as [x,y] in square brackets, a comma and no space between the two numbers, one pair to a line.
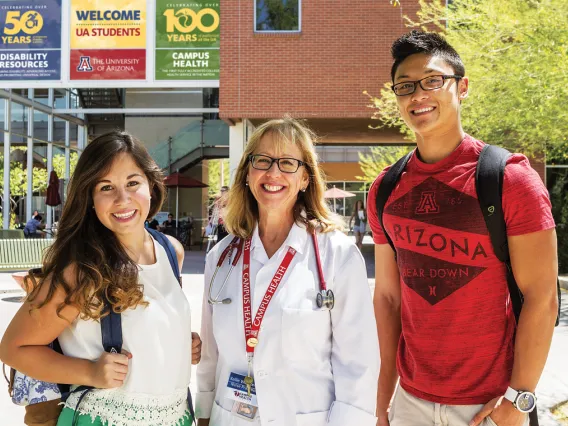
[102,269]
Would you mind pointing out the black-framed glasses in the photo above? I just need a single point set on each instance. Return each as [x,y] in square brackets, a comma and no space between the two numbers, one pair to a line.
[264,162]
[432,82]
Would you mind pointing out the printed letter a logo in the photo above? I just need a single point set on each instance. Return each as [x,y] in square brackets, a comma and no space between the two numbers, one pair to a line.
[85,64]
[427,203]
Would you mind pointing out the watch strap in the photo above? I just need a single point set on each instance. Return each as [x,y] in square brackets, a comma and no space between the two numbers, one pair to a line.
[511,394]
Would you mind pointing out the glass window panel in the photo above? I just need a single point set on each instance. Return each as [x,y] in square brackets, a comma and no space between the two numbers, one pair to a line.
[73,134]
[277,15]
[40,126]
[354,186]
[42,96]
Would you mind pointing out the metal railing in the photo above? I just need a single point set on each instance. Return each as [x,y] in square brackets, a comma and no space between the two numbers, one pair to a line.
[22,254]
[196,135]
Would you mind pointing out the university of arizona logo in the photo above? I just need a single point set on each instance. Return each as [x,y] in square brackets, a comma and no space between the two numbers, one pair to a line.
[427,203]
[85,64]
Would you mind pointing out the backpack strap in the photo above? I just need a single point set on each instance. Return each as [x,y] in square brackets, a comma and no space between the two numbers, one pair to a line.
[170,251]
[111,330]
[387,185]
[489,178]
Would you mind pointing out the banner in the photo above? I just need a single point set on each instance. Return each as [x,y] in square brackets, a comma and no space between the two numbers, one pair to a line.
[30,40]
[118,29]
[187,40]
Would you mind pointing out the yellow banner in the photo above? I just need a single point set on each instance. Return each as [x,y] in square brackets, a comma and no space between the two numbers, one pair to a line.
[107,24]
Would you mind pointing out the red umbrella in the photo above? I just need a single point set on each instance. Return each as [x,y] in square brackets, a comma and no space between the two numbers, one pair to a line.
[53,199]
[176,180]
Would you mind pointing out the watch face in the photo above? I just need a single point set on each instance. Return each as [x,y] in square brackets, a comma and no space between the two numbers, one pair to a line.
[526,402]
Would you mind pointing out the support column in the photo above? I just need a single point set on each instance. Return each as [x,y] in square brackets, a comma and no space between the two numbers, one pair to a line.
[7,138]
[30,158]
[49,218]
[81,138]
[236,147]
[67,140]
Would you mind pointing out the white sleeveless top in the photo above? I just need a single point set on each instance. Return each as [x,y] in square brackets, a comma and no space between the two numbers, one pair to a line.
[159,338]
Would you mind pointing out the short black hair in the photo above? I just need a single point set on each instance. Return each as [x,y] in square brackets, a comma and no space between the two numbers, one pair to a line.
[38,217]
[432,44]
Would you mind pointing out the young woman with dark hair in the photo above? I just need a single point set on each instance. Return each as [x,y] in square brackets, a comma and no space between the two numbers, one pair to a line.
[103,253]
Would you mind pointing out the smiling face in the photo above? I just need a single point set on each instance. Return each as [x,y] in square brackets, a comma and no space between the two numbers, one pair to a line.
[275,190]
[122,197]
[430,112]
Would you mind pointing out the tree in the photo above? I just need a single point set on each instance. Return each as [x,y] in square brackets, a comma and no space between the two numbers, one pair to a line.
[380,157]
[277,15]
[40,180]
[516,57]
[215,176]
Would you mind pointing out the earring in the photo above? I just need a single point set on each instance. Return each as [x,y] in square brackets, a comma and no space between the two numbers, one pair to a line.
[246,183]
[303,189]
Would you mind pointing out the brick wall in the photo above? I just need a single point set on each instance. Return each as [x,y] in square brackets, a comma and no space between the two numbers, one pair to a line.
[343,49]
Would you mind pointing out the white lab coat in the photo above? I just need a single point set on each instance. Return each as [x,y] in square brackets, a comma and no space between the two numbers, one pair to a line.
[311,367]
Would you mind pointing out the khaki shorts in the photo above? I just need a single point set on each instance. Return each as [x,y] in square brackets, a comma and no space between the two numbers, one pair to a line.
[407,410]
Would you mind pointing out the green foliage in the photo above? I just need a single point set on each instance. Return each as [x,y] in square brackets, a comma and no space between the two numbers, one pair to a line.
[215,176]
[559,199]
[40,179]
[516,57]
[380,157]
[278,15]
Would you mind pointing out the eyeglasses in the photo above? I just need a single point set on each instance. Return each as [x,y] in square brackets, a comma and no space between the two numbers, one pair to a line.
[431,82]
[264,162]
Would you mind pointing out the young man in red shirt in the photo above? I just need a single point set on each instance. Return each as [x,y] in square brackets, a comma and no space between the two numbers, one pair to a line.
[446,327]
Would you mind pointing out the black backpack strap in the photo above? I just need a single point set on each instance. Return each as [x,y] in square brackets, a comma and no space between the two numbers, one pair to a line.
[489,178]
[387,185]
[170,251]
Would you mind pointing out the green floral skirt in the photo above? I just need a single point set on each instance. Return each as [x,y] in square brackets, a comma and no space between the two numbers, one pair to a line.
[66,419]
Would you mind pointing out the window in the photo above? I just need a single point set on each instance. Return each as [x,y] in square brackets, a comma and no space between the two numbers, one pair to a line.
[277,15]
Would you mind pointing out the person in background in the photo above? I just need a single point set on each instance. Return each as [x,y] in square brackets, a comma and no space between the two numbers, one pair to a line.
[34,227]
[153,224]
[169,226]
[360,226]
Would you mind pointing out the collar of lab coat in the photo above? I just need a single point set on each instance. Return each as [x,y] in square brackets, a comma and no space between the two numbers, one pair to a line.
[296,239]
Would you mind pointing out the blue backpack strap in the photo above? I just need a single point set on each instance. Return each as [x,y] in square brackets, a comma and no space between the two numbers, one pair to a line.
[387,185]
[170,251]
[111,330]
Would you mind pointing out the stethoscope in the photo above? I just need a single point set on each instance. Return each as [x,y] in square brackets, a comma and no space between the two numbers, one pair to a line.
[324,299]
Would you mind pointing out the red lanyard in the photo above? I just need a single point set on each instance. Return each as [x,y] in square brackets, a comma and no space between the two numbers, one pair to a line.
[253,326]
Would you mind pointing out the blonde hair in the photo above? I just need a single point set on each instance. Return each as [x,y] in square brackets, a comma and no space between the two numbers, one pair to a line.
[241,213]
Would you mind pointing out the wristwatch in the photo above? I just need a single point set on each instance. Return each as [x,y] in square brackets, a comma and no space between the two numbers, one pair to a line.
[524,401]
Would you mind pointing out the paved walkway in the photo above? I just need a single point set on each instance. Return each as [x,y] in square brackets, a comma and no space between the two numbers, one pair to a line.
[552,389]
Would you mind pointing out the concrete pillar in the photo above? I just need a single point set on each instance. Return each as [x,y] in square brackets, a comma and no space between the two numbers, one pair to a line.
[7,135]
[30,158]
[49,217]
[237,140]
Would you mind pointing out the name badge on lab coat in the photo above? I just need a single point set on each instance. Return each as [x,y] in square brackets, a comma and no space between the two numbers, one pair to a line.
[244,406]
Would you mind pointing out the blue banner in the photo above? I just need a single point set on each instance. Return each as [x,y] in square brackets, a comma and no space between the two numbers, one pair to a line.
[30,40]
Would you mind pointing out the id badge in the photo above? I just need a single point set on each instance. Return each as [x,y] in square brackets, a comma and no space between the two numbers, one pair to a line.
[245,406]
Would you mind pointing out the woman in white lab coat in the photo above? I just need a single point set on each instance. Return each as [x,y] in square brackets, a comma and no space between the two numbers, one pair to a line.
[273,352]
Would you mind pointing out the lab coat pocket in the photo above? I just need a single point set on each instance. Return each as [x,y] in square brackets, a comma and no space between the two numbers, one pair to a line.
[306,335]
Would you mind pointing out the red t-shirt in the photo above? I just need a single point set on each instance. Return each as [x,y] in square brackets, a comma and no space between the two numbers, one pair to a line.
[456,345]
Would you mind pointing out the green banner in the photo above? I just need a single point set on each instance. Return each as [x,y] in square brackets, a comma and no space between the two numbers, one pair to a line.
[187,40]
